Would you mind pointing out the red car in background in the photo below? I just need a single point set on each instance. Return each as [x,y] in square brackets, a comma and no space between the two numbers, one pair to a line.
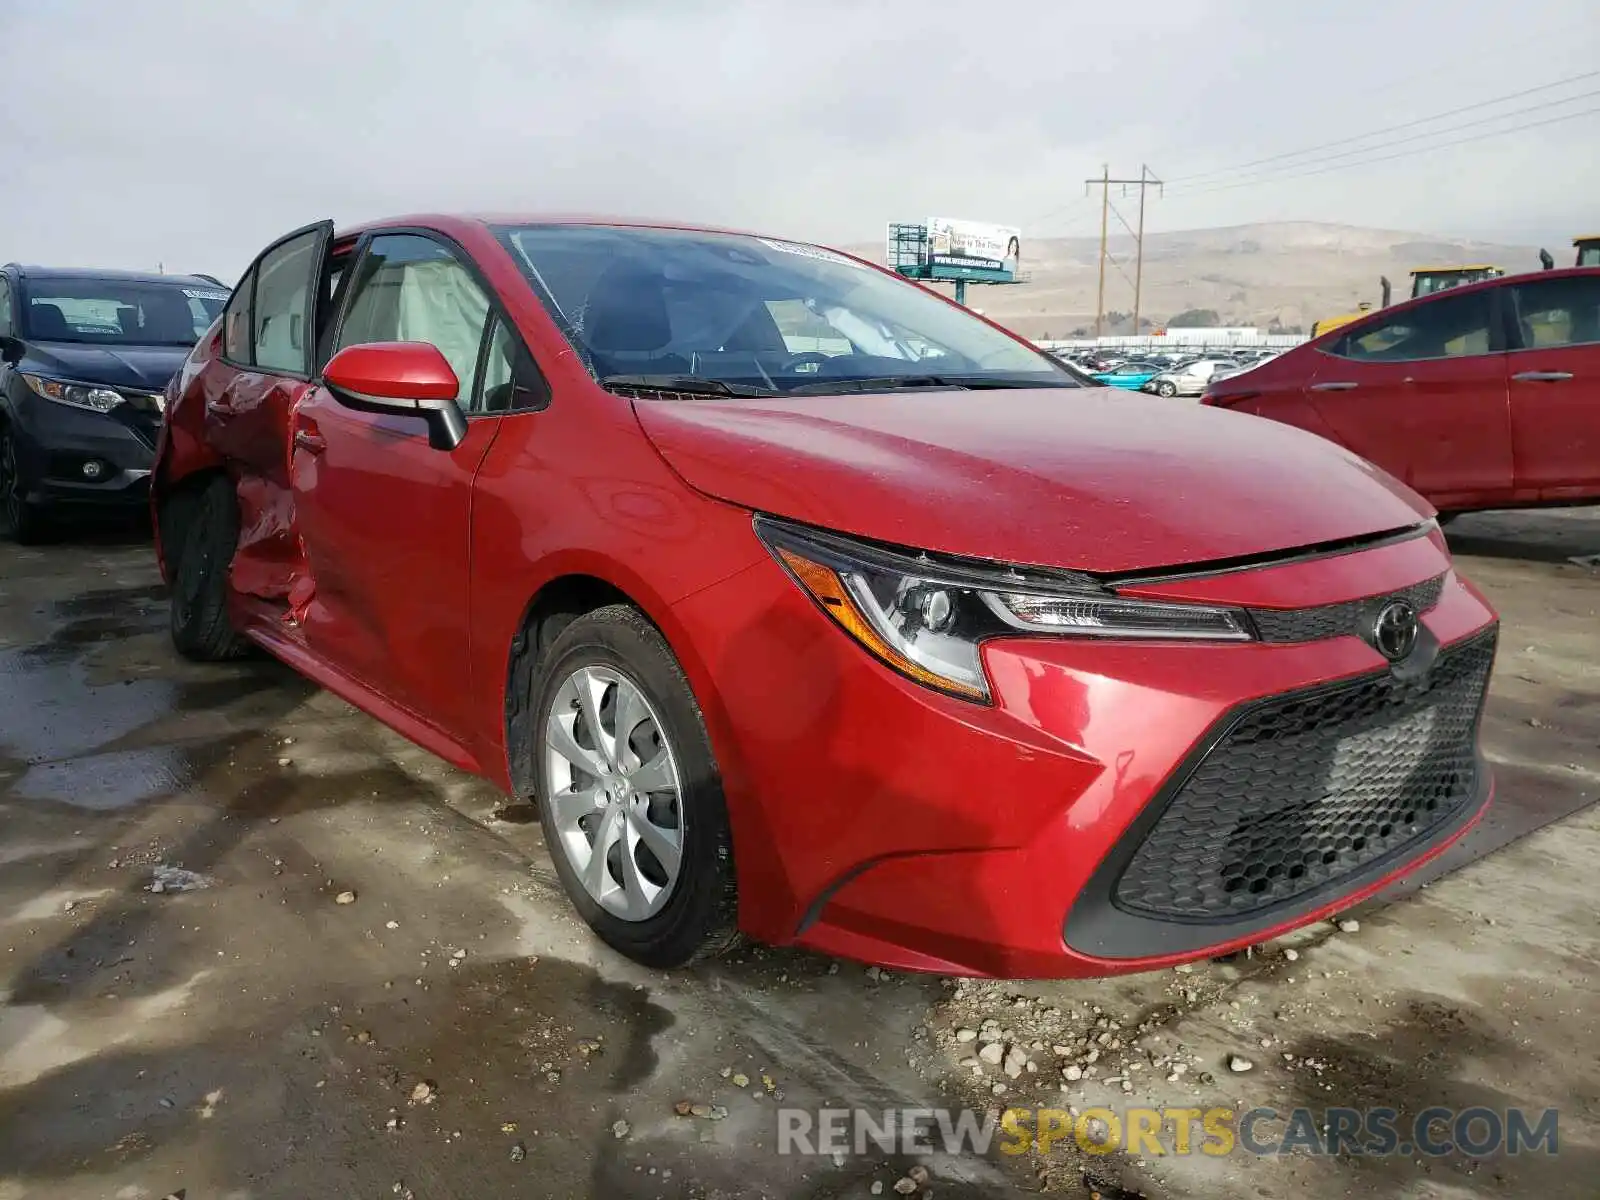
[1482,396]
[808,604]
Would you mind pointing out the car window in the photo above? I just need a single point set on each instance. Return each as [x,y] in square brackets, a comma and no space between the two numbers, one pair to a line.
[510,381]
[282,302]
[5,308]
[1453,326]
[413,289]
[752,311]
[119,310]
[236,323]
[1559,312]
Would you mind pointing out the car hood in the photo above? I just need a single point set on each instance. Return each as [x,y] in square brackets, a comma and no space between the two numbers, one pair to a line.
[147,368]
[1078,479]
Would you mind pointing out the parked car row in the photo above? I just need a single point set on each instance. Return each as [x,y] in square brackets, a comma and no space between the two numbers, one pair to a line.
[1162,374]
[673,532]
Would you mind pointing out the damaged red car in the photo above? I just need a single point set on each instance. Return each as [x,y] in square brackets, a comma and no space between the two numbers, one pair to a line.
[808,605]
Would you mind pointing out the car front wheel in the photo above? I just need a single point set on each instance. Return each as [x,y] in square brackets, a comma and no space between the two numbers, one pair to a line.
[629,792]
[1164,388]
[24,521]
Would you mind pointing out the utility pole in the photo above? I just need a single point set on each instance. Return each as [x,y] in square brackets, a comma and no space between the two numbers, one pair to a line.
[1138,239]
[1105,215]
[1146,179]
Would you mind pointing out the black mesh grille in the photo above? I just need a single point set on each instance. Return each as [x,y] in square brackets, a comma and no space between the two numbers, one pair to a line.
[1339,620]
[1306,788]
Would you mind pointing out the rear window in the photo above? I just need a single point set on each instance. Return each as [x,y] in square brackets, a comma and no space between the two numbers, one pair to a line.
[119,311]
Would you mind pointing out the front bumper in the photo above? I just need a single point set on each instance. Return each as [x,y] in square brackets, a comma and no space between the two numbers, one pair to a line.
[881,821]
[54,441]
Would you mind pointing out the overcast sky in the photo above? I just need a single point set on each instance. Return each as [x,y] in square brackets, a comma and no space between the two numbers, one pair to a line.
[152,131]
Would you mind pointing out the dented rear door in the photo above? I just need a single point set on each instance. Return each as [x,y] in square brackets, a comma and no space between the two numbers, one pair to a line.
[269,341]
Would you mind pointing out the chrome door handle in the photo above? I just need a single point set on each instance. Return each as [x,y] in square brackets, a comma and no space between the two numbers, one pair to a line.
[1542,376]
[1341,386]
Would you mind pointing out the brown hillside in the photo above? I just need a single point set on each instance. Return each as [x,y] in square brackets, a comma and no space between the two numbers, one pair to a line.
[1294,272]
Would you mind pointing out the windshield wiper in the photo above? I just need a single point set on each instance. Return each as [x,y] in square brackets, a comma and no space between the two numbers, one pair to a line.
[881,383]
[689,385]
[884,383]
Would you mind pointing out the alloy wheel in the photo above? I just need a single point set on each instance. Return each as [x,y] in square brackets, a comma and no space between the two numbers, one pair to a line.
[615,796]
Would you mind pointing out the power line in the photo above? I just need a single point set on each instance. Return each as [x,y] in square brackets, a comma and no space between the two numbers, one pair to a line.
[1116,212]
[1503,49]
[1417,153]
[1082,213]
[1272,173]
[1361,137]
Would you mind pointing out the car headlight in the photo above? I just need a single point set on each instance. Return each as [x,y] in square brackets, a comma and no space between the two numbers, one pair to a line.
[79,395]
[927,616]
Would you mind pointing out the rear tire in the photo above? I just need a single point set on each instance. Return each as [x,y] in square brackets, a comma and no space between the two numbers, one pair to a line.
[205,523]
[26,523]
[660,913]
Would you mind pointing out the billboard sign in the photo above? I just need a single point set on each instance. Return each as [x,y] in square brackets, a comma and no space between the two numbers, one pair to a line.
[961,246]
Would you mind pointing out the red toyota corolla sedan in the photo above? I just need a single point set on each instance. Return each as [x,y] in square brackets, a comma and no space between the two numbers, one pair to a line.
[807,604]
[1481,396]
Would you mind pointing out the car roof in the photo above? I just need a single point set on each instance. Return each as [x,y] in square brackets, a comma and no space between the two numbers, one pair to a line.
[451,222]
[1465,267]
[28,271]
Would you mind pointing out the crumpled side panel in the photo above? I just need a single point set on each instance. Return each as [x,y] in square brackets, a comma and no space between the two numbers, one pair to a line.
[221,416]
[269,558]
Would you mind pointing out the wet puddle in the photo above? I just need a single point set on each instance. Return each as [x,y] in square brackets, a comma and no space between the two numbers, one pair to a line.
[105,782]
[55,713]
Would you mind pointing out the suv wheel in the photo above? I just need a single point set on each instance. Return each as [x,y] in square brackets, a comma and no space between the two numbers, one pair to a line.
[26,523]
[204,527]
[629,792]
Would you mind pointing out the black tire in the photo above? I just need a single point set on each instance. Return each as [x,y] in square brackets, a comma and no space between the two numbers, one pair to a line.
[1446,519]
[699,918]
[1167,390]
[203,527]
[26,523]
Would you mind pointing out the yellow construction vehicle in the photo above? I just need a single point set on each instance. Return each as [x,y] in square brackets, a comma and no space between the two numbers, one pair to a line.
[1425,281]
[1318,328]
[1588,247]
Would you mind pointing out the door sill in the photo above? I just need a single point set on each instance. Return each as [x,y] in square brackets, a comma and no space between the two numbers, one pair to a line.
[265,626]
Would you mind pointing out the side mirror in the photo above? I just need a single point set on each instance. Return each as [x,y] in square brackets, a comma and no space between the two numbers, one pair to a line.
[11,350]
[407,379]
[1547,260]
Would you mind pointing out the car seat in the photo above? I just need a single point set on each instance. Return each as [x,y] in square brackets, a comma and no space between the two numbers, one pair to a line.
[624,323]
[47,321]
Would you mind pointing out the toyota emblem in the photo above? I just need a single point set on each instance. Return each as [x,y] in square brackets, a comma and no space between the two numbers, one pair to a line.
[1394,630]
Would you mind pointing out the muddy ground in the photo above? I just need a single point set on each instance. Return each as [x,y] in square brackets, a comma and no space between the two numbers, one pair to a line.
[377,989]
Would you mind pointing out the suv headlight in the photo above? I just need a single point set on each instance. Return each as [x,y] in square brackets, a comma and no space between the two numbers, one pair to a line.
[927,616]
[80,395]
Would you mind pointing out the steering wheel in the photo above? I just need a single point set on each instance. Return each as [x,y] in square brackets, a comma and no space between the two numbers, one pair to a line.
[794,362]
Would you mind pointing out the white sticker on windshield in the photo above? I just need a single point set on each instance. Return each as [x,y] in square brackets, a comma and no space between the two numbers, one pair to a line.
[805,251]
[202,294]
